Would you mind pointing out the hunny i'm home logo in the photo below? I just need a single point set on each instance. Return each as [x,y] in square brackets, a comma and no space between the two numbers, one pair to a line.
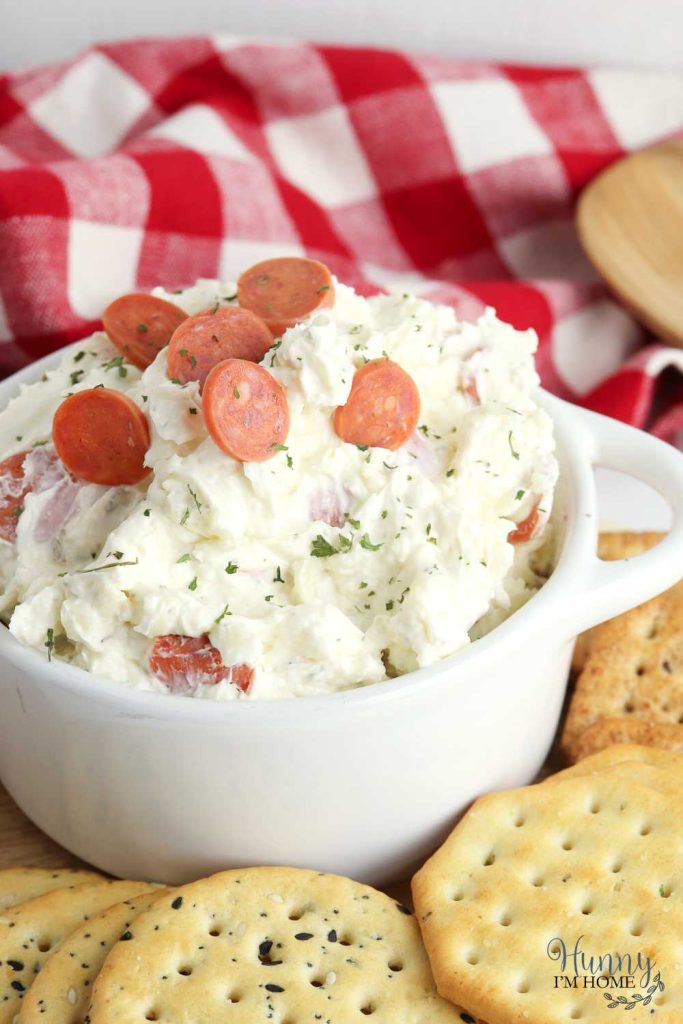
[626,980]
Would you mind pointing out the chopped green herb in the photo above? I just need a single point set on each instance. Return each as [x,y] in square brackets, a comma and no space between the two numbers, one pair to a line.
[193,362]
[219,618]
[384,514]
[116,363]
[50,643]
[144,398]
[75,376]
[79,355]
[321,548]
[355,523]
[215,308]
[143,328]
[432,540]
[108,565]
[174,380]
[192,411]
[38,444]
[235,392]
[451,472]
[279,447]
[17,511]
[192,585]
[362,447]
[389,605]
[290,463]
[323,288]
[273,350]
[366,543]
[362,585]
[269,597]
[116,554]
[184,558]
[195,499]
[186,516]
[519,495]
[387,466]
[231,568]
[19,437]
[424,429]
[278,576]
[147,512]
[345,543]
[515,455]
[184,353]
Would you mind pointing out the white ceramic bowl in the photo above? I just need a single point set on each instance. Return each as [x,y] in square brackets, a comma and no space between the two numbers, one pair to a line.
[364,782]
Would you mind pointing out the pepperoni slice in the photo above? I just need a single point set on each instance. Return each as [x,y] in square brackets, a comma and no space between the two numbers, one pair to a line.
[141,325]
[102,437]
[284,291]
[246,410]
[526,530]
[13,489]
[382,409]
[210,337]
[186,662]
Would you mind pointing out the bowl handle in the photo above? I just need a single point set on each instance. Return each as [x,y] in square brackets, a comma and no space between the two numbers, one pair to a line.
[611,588]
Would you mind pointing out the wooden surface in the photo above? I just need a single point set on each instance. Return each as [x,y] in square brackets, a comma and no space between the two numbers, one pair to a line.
[22,843]
[630,220]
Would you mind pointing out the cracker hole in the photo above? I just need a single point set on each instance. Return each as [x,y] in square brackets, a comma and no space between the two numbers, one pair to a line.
[505,921]
[458,896]
[616,867]
[555,949]
[296,915]
[317,982]
[587,909]
[368,1009]
[215,932]
[396,966]
[523,987]
[665,891]
[537,881]
[594,807]
[519,820]
[234,997]
[629,707]
[185,970]
[640,671]
[152,1015]
[345,940]
[491,859]
[575,1014]
[44,946]
[636,929]
[567,844]
[645,829]
[473,959]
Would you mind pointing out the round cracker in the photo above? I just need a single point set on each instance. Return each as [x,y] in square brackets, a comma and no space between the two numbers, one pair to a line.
[279,944]
[592,859]
[61,992]
[20,884]
[30,931]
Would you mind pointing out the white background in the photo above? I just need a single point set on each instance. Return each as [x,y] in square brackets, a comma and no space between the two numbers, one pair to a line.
[623,32]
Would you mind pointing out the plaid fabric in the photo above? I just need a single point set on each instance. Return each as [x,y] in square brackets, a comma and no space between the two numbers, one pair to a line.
[164,160]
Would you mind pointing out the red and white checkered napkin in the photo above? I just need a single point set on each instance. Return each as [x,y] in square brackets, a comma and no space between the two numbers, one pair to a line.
[164,160]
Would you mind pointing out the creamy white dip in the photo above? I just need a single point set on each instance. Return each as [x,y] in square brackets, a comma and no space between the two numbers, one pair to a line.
[323,568]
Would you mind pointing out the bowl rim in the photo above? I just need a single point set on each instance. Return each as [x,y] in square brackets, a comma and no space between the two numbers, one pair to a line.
[578,542]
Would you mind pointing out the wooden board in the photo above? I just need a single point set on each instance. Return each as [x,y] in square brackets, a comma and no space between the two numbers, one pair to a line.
[22,843]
